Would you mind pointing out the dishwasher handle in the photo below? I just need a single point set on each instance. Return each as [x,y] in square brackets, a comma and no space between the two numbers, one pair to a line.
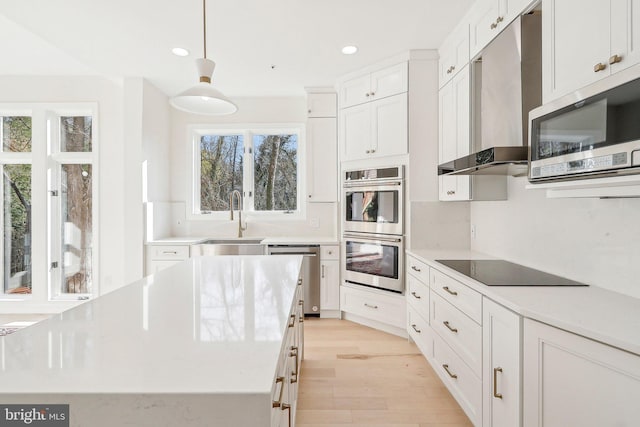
[304,254]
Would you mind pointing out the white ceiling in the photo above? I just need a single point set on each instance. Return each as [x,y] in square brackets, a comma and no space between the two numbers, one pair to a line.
[301,38]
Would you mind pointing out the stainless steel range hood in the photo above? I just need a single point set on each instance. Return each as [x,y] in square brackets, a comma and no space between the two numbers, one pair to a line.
[506,85]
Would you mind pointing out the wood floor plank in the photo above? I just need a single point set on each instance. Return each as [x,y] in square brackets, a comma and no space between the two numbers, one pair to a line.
[353,376]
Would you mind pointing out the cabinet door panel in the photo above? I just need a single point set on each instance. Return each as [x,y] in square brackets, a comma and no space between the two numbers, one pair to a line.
[501,366]
[322,160]
[483,24]
[390,81]
[321,105]
[625,33]
[355,91]
[573,44]
[573,381]
[330,285]
[355,131]
[389,126]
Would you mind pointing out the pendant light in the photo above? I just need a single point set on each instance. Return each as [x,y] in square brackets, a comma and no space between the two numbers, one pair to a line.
[203,98]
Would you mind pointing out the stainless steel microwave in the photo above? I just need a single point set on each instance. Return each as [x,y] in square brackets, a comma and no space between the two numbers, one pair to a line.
[594,132]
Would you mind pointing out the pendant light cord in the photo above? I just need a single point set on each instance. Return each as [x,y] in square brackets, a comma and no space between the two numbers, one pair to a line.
[204,25]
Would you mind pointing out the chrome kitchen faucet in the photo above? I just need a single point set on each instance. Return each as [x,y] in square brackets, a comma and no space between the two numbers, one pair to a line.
[239,197]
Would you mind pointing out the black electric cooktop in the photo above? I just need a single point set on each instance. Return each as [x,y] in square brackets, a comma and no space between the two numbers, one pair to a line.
[503,273]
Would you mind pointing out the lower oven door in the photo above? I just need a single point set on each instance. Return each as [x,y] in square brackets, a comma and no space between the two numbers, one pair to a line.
[374,260]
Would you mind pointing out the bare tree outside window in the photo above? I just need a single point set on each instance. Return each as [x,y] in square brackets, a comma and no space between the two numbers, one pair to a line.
[276,172]
[221,170]
[16,138]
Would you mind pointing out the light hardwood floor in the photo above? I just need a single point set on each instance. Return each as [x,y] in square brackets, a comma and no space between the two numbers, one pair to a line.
[353,375]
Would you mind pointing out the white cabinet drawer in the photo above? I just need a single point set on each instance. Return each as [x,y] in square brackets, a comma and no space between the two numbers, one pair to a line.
[420,332]
[465,387]
[461,296]
[330,252]
[168,252]
[418,295]
[460,332]
[418,268]
[388,309]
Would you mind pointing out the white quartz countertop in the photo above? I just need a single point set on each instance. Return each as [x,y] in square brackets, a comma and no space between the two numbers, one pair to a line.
[300,241]
[206,325]
[294,240]
[593,312]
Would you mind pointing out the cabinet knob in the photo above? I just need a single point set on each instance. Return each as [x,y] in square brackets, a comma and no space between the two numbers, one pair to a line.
[599,67]
[309,195]
[309,111]
[493,25]
[367,94]
[615,59]
[373,93]
[368,151]
[373,151]
[330,252]
[499,19]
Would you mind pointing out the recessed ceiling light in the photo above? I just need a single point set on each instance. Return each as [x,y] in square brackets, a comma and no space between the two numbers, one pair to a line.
[349,50]
[180,51]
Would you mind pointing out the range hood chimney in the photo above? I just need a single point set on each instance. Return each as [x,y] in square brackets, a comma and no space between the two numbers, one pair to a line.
[507,84]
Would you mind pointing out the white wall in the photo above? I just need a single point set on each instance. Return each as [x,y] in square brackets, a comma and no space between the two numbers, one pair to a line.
[589,240]
[250,111]
[109,97]
[146,136]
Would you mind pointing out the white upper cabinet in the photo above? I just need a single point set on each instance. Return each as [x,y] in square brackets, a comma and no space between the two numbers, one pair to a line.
[607,42]
[454,133]
[375,129]
[376,85]
[489,17]
[322,160]
[321,105]
[454,53]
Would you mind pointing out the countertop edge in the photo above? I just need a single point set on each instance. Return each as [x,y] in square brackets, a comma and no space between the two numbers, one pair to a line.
[608,326]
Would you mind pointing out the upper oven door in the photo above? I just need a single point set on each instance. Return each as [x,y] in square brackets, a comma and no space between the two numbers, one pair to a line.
[374,208]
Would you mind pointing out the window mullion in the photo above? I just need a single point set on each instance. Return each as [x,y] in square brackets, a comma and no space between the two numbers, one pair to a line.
[247,183]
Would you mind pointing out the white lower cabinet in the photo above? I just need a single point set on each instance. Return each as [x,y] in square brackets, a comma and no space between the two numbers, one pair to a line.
[501,372]
[284,392]
[379,306]
[419,331]
[159,257]
[570,380]
[461,381]
[330,281]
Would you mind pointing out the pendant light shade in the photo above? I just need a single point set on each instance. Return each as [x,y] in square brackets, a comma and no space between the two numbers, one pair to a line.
[203,98]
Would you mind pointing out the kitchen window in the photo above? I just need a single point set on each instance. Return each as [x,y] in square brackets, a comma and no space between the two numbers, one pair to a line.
[47,162]
[262,163]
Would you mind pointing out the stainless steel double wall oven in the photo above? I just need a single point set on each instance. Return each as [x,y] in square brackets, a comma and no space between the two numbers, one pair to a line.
[373,227]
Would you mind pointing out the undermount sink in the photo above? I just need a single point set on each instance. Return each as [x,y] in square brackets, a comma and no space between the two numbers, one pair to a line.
[240,246]
[238,241]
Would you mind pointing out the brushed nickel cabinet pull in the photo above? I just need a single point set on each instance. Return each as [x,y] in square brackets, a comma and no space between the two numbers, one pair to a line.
[368,151]
[446,368]
[416,329]
[446,288]
[599,67]
[495,383]
[367,94]
[373,151]
[170,252]
[277,403]
[414,268]
[415,296]
[500,19]
[322,274]
[293,321]
[615,59]
[446,323]
[493,25]
[371,306]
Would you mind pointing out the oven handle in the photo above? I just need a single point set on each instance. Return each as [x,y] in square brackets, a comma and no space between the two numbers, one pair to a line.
[373,185]
[374,238]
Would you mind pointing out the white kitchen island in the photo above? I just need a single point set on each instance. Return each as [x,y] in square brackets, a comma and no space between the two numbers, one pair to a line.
[198,344]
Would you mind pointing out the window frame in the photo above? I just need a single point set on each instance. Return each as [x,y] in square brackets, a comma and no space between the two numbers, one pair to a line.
[195,132]
[43,157]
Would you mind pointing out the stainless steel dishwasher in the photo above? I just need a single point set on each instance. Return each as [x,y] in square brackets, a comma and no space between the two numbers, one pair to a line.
[310,273]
